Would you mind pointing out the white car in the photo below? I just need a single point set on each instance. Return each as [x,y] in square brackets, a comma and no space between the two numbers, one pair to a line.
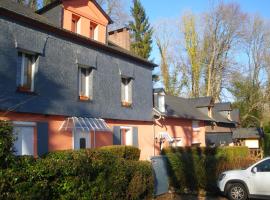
[253,182]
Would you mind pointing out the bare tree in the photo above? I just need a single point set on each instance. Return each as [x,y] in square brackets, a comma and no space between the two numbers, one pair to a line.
[173,73]
[223,30]
[116,9]
[193,52]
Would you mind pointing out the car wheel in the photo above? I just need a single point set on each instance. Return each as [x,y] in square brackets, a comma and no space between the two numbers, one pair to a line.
[237,192]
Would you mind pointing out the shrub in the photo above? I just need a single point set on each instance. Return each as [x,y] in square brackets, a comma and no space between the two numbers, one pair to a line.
[196,169]
[7,139]
[84,174]
[126,152]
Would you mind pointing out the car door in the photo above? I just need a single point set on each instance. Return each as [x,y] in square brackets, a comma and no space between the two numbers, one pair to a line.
[260,178]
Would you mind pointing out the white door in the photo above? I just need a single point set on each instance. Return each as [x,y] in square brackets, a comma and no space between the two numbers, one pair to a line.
[129,140]
[81,139]
[24,144]
[261,179]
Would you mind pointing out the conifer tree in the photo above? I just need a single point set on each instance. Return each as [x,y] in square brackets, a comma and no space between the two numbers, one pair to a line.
[141,31]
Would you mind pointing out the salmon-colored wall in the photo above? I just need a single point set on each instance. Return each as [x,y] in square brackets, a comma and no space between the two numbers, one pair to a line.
[148,132]
[181,128]
[146,140]
[88,13]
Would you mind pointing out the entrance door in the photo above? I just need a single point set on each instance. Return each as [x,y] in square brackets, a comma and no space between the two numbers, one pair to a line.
[81,139]
[24,144]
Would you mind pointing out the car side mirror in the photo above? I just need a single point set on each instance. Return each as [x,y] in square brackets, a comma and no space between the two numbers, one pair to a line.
[254,170]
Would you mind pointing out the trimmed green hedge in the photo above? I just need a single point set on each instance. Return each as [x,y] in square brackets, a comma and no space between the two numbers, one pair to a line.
[6,144]
[126,152]
[83,174]
[197,169]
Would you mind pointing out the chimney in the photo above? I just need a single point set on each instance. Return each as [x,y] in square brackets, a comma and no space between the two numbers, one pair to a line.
[120,37]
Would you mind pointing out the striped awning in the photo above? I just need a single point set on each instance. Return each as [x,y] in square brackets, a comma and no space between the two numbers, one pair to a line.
[84,124]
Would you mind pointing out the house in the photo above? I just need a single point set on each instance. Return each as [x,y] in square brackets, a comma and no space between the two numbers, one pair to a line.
[226,120]
[65,87]
[178,122]
[249,137]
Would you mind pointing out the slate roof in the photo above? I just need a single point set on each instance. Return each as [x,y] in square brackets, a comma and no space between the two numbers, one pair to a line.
[25,14]
[158,90]
[223,106]
[218,115]
[201,101]
[235,115]
[248,133]
[182,108]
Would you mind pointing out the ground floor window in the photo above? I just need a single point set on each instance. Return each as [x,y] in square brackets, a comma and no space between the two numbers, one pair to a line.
[24,133]
[127,137]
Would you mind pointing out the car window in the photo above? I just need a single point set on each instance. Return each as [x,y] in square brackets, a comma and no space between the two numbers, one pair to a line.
[264,166]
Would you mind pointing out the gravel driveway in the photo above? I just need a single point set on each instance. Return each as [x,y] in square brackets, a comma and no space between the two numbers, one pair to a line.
[188,197]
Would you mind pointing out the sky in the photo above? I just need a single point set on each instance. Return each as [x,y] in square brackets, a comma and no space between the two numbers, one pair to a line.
[160,9]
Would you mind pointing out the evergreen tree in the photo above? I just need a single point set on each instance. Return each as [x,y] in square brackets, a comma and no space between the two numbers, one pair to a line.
[46,2]
[141,31]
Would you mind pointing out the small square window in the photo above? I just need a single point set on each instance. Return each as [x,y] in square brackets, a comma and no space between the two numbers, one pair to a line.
[85,86]
[126,91]
[26,72]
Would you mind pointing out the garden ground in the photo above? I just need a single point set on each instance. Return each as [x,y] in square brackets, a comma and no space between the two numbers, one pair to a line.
[188,197]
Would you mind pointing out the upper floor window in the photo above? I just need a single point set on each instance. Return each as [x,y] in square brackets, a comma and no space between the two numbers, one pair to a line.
[196,126]
[126,91]
[74,24]
[26,72]
[161,103]
[93,31]
[85,83]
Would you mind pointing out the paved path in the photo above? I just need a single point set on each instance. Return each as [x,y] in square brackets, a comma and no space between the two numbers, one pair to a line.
[187,197]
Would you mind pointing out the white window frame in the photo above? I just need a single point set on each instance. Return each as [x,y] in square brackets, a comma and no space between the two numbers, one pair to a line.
[126,81]
[127,128]
[196,126]
[161,103]
[87,81]
[33,70]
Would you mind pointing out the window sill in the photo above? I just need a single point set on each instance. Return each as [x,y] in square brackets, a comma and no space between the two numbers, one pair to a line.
[126,104]
[25,90]
[84,98]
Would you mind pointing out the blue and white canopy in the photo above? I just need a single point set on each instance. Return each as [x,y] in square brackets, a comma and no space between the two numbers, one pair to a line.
[84,124]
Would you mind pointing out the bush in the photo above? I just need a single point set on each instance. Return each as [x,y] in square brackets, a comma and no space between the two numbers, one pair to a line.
[83,174]
[196,169]
[7,139]
[126,152]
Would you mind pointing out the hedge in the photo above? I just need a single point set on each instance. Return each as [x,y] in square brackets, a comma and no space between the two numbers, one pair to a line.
[83,174]
[197,169]
[126,152]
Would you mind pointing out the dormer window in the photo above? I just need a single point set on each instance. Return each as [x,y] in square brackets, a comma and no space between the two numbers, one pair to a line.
[126,91]
[74,24]
[161,103]
[93,31]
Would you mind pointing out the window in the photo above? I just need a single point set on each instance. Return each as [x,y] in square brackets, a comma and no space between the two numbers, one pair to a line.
[161,103]
[93,31]
[195,126]
[26,72]
[177,142]
[82,143]
[126,136]
[74,24]
[84,83]
[264,166]
[126,92]
[24,133]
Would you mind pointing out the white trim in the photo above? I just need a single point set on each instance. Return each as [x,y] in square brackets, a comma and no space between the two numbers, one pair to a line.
[22,123]
[96,32]
[87,78]
[33,73]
